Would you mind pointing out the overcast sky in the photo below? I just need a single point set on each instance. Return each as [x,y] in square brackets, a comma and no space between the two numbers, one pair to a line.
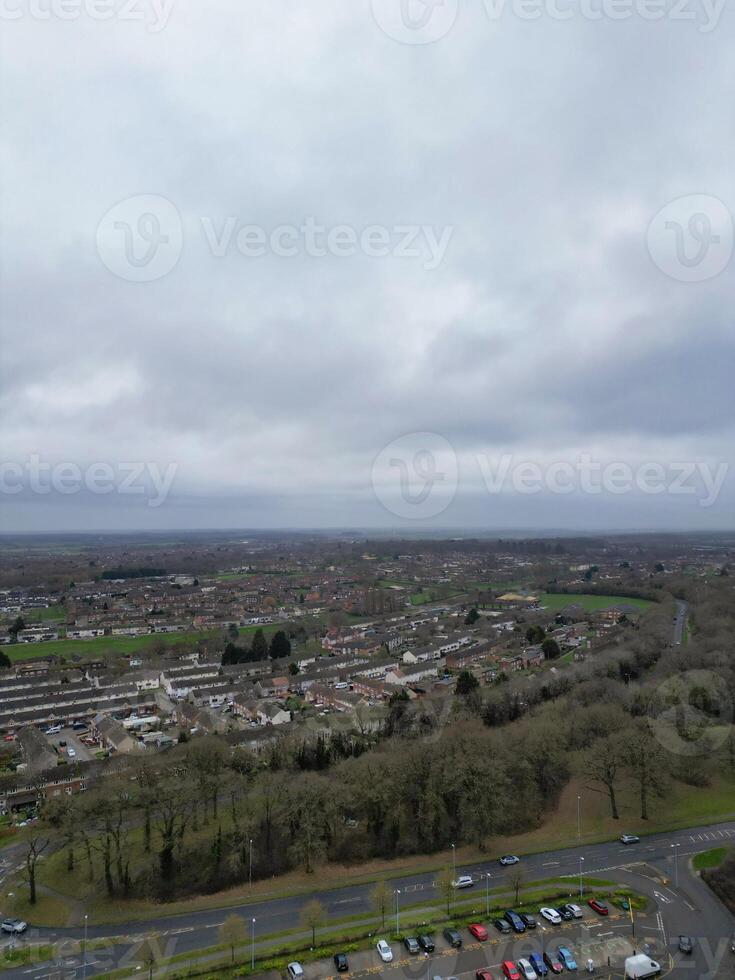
[554,196]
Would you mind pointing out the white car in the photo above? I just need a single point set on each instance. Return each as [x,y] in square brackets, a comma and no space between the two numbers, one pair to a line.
[551,915]
[464,881]
[295,971]
[71,752]
[384,951]
[629,839]
[14,926]
[526,971]
[509,859]
[575,910]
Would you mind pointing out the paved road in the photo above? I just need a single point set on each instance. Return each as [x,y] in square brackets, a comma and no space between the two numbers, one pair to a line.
[197,930]
[679,621]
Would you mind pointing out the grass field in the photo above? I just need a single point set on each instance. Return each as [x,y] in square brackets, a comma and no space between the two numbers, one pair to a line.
[591,603]
[710,859]
[99,645]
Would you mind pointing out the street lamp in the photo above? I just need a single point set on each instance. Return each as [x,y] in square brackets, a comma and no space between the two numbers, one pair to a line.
[581,890]
[11,896]
[397,892]
[487,892]
[454,861]
[86,917]
[252,946]
[250,865]
[675,848]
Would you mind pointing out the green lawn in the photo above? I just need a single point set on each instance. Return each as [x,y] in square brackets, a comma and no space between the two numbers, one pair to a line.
[556,601]
[43,615]
[710,859]
[119,644]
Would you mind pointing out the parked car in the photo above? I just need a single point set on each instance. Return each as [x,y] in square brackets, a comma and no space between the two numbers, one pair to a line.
[553,962]
[8,738]
[576,911]
[14,926]
[565,955]
[427,944]
[71,752]
[551,915]
[483,974]
[509,970]
[564,913]
[412,944]
[478,931]
[384,951]
[537,962]
[629,839]
[525,969]
[464,881]
[516,922]
[453,938]
[686,944]
[62,743]
[340,962]
[509,859]
[502,926]
[598,906]
[529,921]
[295,971]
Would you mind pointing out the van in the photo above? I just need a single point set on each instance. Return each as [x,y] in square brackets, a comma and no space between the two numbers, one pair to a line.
[53,730]
[639,967]
[341,686]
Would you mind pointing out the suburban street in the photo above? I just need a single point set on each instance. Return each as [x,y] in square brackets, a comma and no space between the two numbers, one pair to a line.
[650,866]
[679,622]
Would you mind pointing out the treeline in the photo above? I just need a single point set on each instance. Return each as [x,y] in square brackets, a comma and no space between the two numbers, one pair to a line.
[140,571]
[259,649]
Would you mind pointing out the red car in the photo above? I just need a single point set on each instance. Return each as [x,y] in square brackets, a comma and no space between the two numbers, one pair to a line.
[598,906]
[483,975]
[509,970]
[478,931]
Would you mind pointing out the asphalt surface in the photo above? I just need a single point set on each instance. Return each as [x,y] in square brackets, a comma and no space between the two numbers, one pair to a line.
[679,622]
[689,908]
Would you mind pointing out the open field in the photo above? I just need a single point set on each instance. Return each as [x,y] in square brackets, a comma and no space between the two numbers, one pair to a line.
[555,602]
[99,645]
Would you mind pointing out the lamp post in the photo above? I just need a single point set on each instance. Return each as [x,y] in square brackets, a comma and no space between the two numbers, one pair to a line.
[581,890]
[454,861]
[675,848]
[250,864]
[579,819]
[252,945]
[397,892]
[86,917]
[11,896]
[487,892]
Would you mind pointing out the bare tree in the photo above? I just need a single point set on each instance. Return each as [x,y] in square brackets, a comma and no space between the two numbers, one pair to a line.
[233,933]
[380,899]
[312,916]
[36,845]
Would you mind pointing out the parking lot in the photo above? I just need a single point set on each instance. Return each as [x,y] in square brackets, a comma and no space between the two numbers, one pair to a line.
[607,941]
[73,740]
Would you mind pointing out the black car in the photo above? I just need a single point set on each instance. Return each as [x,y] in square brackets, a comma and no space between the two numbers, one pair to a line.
[453,938]
[686,944]
[426,943]
[566,914]
[516,922]
[340,961]
[411,944]
[502,926]
[529,921]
